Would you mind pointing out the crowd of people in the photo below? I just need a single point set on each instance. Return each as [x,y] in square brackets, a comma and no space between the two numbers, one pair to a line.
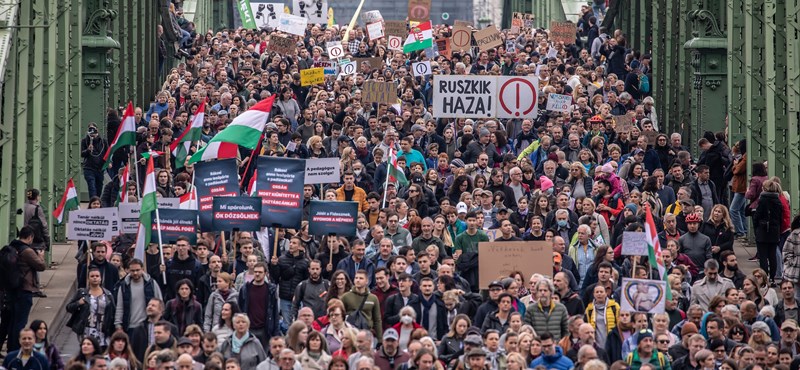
[404,292]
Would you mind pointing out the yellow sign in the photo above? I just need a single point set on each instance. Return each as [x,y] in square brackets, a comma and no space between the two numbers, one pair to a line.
[312,76]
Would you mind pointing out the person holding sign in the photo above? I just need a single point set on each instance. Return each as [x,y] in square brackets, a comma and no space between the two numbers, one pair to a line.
[288,271]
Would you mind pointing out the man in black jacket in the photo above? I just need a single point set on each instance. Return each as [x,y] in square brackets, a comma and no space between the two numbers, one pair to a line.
[433,314]
[109,273]
[93,149]
[257,299]
[396,302]
[288,271]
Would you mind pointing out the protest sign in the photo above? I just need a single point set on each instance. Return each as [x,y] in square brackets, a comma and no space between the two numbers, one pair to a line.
[640,295]
[237,213]
[623,123]
[322,170]
[488,38]
[316,11]
[218,178]
[175,223]
[461,40]
[375,31]
[371,16]
[328,67]
[464,96]
[419,10]
[396,28]
[634,243]
[379,92]
[493,234]
[563,32]
[332,218]
[525,19]
[246,13]
[650,135]
[374,62]
[293,24]
[498,259]
[511,46]
[129,213]
[267,14]
[394,43]
[559,103]
[348,68]
[335,49]
[443,46]
[421,69]
[282,45]
[93,224]
[280,186]
[312,76]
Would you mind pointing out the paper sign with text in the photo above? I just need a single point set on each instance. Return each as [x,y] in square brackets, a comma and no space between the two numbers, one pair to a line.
[312,76]
[93,224]
[499,259]
[559,103]
[563,32]
[634,243]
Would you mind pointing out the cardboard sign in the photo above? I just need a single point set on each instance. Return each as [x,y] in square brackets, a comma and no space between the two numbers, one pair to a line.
[371,16]
[634,243]
[624,123]
[563,32]
[316,11]
[332,218]
[395,28]
[280,186]
[266,14]
[650,135]
[499,259]
[419,10]
[640,295]
[559,103]
[312,76]
[335,49]
[443,46]
[374,62]
[322,170]
[525,18]
[293,24]
[375,31]
[488,38]
[176,223]
[379,92]
[282,45]
[461,40]
[218,178]
[422,69]
[237,213]
[93,224]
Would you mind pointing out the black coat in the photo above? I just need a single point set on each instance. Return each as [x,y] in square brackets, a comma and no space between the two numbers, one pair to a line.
[394,304]
[80,312]
[288,273]
[767,218]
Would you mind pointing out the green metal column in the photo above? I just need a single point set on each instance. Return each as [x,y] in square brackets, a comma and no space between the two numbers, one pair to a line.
[755,84]
[96,46]
[708,50]
[737,95]
[660,63]
[791,181]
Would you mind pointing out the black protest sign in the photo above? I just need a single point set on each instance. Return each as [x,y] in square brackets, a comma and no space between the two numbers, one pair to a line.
[237,213]
[280,186]
[214,179]
[175,223]
[332,218]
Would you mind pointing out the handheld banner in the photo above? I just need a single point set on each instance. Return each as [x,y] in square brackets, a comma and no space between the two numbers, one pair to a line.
[332,218]
[639,295]
[93,224]
[176,223]
[237,213]
[214,179]
[280,186]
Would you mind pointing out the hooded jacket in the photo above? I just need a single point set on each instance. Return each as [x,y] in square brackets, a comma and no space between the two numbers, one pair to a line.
[288,273]
[556,361]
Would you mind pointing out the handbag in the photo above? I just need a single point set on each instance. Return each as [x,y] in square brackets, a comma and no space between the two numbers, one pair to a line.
[357,318]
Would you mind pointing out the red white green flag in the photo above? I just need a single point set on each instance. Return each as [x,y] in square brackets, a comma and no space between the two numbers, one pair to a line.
[69,201]
[180,147]
[654,247]
[396,173]
[122,197]
[126,135]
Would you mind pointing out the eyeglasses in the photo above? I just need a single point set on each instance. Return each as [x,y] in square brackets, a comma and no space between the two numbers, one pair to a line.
[663,341]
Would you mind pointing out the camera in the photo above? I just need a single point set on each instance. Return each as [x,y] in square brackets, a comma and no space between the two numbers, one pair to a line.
[92,131]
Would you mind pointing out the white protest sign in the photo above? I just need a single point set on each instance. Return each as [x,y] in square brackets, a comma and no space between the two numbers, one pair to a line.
[559,103]
[372,16]
[266,14]
[517,97]
[395,43]
[640,295]
[293,24]
[129,213]
[348,68]
[375,30]
[335,49]
[322,170]
[634,243]
[464,96]
[422,68]
[93,224]
[316,11]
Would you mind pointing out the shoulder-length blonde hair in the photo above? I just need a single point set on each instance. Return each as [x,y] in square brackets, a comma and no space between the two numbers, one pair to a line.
[726,216]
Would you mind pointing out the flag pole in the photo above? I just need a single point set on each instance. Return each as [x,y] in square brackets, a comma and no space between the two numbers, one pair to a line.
[252,155]
[386,183]
[136,172]
[160,241]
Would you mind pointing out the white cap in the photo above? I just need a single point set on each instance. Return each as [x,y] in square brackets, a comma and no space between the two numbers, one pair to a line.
[461,207]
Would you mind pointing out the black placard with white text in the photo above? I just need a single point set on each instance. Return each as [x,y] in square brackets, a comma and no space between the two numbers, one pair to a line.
[214,179]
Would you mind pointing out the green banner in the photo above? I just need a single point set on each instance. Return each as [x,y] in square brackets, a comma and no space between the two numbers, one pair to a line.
[246,12]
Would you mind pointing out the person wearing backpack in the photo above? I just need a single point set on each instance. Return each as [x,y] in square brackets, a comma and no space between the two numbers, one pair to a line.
[36,218]
[19,284]
[362,307]
[646,353]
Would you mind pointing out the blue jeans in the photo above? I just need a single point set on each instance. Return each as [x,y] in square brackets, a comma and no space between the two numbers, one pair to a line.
[737,213]
[286,311]
[23,301]
[598,10]
[94,181]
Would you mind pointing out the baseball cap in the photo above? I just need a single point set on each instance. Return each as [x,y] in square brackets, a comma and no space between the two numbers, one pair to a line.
[222,112]
[495,283]
[390,334]
[502,209]
[637,151]
[476,352]
[789,324]
[473,339]
[184,342]
[461,207]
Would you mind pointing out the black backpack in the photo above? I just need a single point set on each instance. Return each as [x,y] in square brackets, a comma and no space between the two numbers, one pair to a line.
[357,318]
[10,274]
[38,227]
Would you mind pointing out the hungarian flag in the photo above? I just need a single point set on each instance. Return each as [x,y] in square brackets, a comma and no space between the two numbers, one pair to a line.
[654,247]
[245,130]
[420,37]
[251,187]
[396,173]
[180,147]
[152,154]
[126,135]
[69,201]
[123,186]
[148,206]
[189,200]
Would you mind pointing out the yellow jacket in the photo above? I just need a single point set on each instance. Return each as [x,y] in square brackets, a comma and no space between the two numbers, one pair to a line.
[612,315]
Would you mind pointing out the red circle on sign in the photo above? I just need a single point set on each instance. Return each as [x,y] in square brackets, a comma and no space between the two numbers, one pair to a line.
[336,51]
[533,93]
[395,42]
[465,38]
[419,12]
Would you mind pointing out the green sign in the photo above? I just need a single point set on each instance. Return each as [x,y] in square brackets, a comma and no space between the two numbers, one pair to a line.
[246,12]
